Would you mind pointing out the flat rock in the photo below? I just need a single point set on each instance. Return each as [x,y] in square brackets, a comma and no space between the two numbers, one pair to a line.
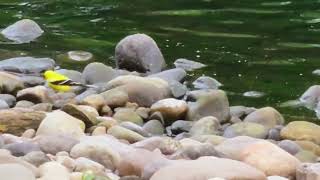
[205,168]
[23,31]
[165,144]
[79,56]
[140,53]
[246,129]
[176,74]
[16,121]
[188,65]
[27,64]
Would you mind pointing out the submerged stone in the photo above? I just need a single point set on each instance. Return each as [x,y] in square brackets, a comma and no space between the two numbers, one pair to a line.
[206,82]
[188,65]
[23,31]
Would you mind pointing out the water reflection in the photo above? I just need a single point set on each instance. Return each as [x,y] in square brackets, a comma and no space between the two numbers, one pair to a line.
[239,41]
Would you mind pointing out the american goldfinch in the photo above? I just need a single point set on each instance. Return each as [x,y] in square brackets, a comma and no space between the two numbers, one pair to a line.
[60,82]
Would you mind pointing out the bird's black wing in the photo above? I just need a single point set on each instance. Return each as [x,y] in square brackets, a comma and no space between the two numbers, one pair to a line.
[67,82]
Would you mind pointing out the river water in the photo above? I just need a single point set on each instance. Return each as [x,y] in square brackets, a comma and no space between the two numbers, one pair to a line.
[248,45]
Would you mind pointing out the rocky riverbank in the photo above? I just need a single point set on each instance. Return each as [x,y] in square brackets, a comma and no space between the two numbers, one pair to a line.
[141,122]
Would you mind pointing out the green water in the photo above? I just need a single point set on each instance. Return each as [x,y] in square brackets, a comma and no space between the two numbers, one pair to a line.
[261,45]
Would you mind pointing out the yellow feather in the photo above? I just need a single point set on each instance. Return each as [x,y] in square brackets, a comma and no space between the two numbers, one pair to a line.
[52,76]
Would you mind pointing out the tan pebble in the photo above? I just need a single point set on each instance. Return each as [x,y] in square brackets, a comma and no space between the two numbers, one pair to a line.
[76,176]
[29,133]
[99,131]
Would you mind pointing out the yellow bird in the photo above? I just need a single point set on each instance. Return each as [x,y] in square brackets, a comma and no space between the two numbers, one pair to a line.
[60,82]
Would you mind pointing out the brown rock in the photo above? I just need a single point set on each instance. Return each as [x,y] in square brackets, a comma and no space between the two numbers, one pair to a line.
[38,94]
[301,130]
[16,121]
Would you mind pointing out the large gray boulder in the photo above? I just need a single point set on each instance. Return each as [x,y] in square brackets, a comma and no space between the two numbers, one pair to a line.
[23,31]
[27,64]
[140,53]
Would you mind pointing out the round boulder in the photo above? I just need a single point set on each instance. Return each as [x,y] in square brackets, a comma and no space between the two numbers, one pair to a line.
[140,53]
